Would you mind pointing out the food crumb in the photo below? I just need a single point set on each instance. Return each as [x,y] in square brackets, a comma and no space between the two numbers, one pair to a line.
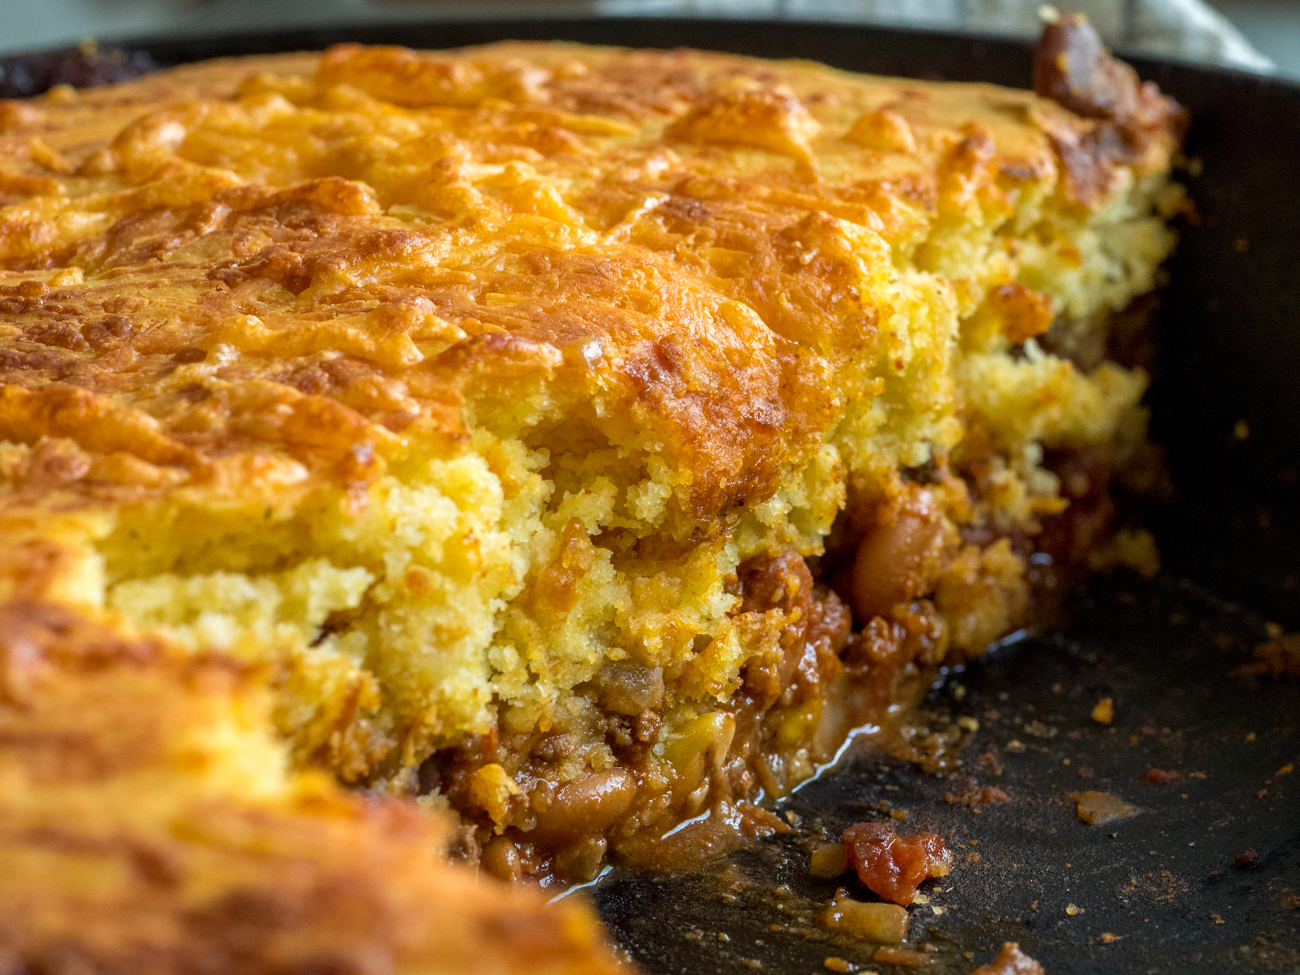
[1073,909]
[1109,939]
[828,861]
[1286,769]
[900,956]
[1015,746]
[1098,808]
[881,923]
[1158,776]
[975,798]
[1104,712]
[836,964]
[988,762]
[1010,961]
[1279,657]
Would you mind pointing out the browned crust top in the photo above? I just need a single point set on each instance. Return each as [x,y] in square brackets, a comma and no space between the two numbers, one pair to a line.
[225,279]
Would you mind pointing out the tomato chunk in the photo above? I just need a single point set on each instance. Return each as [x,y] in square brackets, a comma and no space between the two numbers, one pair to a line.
[894,866]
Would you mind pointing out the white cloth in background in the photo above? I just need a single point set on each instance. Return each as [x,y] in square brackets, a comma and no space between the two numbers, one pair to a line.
[1168,28]
[1186,29]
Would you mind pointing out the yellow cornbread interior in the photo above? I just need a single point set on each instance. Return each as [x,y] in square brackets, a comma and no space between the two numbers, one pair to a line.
[490,549]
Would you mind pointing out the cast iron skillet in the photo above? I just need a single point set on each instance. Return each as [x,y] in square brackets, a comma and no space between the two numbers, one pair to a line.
[1226,405]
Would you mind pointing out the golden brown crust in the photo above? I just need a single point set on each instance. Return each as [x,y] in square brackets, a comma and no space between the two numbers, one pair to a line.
[147,825]
[186,353]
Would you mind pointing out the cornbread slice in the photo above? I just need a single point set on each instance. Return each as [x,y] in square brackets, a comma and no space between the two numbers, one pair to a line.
[523,409]
[149,823]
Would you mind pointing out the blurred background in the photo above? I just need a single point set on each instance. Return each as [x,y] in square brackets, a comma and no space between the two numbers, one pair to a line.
[1255,35]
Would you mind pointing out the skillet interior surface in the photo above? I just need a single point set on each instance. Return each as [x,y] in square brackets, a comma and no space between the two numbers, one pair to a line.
[1165,651]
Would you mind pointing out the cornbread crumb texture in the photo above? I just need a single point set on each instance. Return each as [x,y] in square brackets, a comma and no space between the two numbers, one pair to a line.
[148,820]
[439,382]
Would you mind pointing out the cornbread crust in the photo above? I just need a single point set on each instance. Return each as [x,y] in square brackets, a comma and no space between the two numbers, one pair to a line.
[495,400]
[149,823]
